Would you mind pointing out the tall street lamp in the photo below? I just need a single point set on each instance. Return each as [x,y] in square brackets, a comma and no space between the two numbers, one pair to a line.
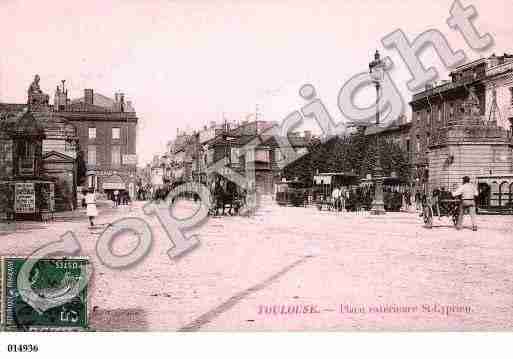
[377,73]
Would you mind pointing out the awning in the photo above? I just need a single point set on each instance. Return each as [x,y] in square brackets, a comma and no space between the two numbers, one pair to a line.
[113,185]
[322,180]
[113,182]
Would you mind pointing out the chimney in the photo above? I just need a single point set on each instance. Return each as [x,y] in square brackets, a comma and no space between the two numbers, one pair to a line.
[308,136]
[89,96]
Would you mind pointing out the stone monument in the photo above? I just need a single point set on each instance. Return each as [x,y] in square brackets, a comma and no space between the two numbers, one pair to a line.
[468,146]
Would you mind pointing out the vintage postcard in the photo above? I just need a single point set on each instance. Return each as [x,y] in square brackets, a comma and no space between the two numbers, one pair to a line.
[256,166]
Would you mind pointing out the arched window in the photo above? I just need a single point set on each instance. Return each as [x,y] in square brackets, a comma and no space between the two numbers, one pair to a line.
[494,193]
[511,194]
[503,193]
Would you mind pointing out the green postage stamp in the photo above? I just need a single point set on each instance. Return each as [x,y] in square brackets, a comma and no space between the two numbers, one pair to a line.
[53,298]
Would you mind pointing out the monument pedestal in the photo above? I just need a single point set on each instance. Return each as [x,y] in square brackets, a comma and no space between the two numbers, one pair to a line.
[468,148]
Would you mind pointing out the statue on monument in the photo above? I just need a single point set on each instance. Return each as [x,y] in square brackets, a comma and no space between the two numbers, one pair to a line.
[472,104]
[34,86]
[35,94]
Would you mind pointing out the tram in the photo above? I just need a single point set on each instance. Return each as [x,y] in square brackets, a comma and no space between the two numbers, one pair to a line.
[292,193]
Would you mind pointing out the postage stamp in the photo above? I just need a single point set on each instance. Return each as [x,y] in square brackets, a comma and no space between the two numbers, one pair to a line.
[52,279]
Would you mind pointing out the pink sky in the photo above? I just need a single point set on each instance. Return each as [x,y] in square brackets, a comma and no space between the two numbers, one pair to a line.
[185,62]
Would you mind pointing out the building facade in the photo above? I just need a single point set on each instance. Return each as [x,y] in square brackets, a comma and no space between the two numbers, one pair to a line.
[439,108]
[107,135]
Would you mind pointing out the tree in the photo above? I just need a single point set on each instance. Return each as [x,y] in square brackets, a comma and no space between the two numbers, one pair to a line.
[355,153]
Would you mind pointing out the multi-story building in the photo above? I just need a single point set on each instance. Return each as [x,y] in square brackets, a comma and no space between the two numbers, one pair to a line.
[264,158]
[107,130]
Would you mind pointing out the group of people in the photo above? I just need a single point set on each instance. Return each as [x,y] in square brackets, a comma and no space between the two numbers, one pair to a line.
[120,198]
[354,199]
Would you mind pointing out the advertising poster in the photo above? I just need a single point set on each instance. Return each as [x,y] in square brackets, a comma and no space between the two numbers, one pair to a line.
[25,198]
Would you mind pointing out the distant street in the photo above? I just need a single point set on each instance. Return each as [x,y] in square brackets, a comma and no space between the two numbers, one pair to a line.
[289,268]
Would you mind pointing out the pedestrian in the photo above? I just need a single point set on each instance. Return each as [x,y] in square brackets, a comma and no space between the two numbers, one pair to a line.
[116,198]
[435,204]
[407,199]
[83,194]
[418,200]
[468,193]
[92,211]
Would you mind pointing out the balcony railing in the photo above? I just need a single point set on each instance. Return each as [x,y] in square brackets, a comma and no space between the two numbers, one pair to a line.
[496,70]
[446,87]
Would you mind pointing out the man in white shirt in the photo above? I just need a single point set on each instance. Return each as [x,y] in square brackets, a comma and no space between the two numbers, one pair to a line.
[468,192]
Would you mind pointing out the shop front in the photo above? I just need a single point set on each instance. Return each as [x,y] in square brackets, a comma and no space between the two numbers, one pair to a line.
[110,181]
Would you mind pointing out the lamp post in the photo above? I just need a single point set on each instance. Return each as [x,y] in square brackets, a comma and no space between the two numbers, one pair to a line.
[377,73]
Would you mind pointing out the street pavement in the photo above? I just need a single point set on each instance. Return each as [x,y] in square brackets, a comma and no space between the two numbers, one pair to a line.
[288,268]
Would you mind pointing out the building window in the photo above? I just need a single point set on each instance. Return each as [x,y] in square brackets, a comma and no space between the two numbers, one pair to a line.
[440,114]
[70,146]
[116,133]
[91,155]
[92,133]
[210,156]
[511,95]
[418,144]
[278,156]
[408,144]
[262,155]
[234,155]
[250,155]
[6,149]
[115,156]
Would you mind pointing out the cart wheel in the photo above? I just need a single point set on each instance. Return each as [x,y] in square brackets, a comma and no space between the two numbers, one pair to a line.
[428,217]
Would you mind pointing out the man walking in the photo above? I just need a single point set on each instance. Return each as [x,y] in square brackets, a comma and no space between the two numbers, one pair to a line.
[436,201]
[468,192]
